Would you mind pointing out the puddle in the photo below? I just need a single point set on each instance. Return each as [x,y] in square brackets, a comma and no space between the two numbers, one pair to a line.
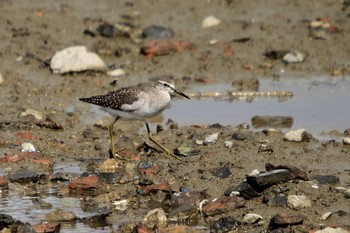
[319,105]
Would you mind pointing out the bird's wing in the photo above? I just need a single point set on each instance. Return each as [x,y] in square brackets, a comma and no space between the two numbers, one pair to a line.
[115,99]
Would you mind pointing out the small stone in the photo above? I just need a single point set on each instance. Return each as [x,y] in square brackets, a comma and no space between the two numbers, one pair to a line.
[116,72]
[264,180]
[294,57]
[107,30]
[76,59]
[210,21]
[298,202]
[24,177]
[346,141]
[251,218]
[326,179]
[31,112]
[283,219]
[228,144]
[299,135]
[222,172]
[347,132]
[47,227]
[60,215]
[254,172]
[225,224]
[86,183]
[28,147]
[155,31]
[3,183]
[326,215]
[156,216]
[211,139]
[244,189]
[2,80]
[121,204]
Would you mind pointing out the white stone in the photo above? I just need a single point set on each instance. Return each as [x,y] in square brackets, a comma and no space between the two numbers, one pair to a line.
[28,147]
[75,59]
[211,139]
[31,112]
[121,204]
[332,230]
[251,218]
[228,144]
[156,216]
[326,215]
[295,136]
[116,72]
[298,202]
[254,172]
[346,141]
[210,21]
[294,57]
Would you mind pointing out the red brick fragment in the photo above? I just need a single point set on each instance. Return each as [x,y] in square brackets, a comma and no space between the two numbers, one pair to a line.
[86,183]
[164,46]
[47,227]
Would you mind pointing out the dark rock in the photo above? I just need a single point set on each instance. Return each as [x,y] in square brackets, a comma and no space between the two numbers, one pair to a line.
[294,172]
[272,121]
[89,33]
[64,176]
[278,200]
[6,220]
[216,126]
[265,149]
[285,219]
[245,190]
[191,198]
[347,132]
[224,224]
[275,54]
[326,179]
[155,31]
[24,177]
[39,203]
[263,180]
[222,172]
[99,219]
[239,136]
[107,30]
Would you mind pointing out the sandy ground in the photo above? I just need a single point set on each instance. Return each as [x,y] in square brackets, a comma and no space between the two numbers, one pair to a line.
[32,31]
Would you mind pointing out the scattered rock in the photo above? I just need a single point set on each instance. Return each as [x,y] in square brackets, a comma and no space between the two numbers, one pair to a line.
[76,59]
[156,216]
[326,179]
[2,80]
[28,147]
[24,177]
[251,218]
[186,149]
[332,230]
[272,121]
[225,224]
[211,139]
[346,141]
[294,57]
[86,183]
[222,172]
[228,144]
[107,30]
[263,180]
[239,136]
[155,31]
[326,215]
[275,54]
[31,112]
[116,72]
[299,135]
[285,219]
[47,227]
[210,21]
[223,204]
[60,215]
[244,189]
[298,202]
[294,172]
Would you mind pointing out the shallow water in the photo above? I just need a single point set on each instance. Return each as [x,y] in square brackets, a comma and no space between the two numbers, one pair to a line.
[319,104]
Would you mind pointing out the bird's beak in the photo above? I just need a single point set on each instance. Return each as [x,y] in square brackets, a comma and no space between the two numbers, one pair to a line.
[182,94]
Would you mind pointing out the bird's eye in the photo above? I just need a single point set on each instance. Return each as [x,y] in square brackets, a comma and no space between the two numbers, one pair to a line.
[165,84]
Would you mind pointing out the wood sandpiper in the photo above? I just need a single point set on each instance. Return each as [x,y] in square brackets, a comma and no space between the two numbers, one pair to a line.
[138,102]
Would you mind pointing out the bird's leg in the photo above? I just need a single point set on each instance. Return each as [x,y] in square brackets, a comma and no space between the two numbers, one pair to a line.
[160,145]
[110,131]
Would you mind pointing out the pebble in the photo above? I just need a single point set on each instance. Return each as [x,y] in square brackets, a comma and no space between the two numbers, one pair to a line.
[31,112]
[222,172]
[346,141]
[326,179]
[326,215]
[299,135]
[225,224]
[107,30]
[211,139]
[28,147]
[228,144]
[75,59]
[283,219]
[2,80]
[156,31]
[156,216]
[210,21]
[263,180]
[60,215]
[251,218]
[116,72]
[24,177]
[298,202]
[294,57]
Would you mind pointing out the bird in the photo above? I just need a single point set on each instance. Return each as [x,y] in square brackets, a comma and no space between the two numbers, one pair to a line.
[139,102]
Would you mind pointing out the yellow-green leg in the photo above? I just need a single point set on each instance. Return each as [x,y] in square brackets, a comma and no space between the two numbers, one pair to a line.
[160,145]
[110,131]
